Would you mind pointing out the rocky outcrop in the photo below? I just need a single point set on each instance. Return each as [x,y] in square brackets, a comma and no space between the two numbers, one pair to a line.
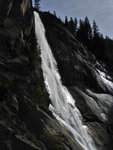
[14,8]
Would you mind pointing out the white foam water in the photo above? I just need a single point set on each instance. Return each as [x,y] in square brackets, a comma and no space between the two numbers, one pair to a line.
[62,103]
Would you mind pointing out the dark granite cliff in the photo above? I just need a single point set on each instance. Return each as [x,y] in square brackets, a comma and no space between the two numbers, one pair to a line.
[25,121]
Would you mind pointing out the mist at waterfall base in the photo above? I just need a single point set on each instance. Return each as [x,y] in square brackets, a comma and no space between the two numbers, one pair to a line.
[62,103]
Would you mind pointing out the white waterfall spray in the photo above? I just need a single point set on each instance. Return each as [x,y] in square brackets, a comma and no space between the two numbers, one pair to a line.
[62,104]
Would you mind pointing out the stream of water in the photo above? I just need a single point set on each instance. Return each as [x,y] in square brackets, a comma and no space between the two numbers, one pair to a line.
[62,104]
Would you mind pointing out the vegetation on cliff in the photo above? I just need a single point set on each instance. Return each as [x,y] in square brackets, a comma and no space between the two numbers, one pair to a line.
[90,36]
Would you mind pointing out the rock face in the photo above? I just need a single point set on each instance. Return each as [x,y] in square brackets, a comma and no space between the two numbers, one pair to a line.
[13,8]
[89,80]
[25,121]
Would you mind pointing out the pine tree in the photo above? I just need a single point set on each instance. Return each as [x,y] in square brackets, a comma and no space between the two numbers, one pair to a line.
[76,24]
[66,21]
[84,32]
[36,4]
[95,30]
[88,29]
[80,31]
[55,13]
[72,25]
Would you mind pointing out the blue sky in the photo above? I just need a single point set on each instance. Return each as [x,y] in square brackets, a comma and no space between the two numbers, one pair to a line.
[99,10]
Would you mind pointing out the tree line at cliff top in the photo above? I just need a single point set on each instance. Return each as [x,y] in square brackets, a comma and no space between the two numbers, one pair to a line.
[90,36]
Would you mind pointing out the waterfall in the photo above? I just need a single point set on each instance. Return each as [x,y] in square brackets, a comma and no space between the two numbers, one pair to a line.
[62,103]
